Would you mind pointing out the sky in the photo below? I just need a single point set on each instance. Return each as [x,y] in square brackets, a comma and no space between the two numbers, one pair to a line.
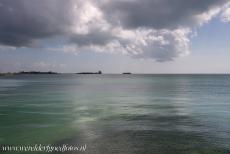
[115,36]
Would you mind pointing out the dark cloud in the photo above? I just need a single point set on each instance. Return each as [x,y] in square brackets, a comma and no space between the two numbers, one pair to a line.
[158,14]
[23,21]
[155,29]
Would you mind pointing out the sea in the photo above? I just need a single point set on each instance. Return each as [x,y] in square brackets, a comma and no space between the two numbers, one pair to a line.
[117,113]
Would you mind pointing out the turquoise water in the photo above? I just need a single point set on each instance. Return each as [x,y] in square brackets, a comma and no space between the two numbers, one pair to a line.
[122,114]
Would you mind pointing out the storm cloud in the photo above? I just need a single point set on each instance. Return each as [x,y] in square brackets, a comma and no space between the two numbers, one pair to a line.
[23,21]
[147,29]
[159,14]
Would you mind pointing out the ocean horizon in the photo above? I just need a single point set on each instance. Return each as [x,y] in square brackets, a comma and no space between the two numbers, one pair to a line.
[114,76]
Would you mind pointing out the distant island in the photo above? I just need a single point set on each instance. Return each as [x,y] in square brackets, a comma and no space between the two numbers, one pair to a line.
[37,72]
[24,72]
[99,72]
[49,72]
[126,73]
